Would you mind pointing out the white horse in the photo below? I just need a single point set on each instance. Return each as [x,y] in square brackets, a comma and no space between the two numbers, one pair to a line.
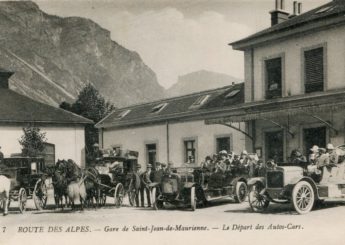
[5,185]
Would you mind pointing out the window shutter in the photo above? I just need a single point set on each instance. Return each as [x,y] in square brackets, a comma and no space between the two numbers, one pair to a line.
[314,78]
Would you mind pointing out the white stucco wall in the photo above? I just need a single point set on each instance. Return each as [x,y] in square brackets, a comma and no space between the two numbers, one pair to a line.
[69,141]
[292,49]
[137,137]
[296,126]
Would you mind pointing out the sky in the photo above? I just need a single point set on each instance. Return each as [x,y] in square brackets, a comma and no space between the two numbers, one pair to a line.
[176,37]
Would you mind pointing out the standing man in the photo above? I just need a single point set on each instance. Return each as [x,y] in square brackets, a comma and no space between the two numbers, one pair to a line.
[144,187]
[158,173]
[136,179]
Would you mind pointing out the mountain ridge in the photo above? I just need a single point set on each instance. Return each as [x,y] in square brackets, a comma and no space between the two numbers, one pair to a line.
[54,58]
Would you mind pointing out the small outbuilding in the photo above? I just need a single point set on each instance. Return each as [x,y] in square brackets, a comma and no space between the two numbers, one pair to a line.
[65,131]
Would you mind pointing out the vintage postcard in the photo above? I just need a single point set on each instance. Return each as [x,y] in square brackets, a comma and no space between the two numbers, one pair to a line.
[172,122]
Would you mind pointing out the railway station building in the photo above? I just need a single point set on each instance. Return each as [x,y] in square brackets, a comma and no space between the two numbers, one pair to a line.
[174,129]
[294,81]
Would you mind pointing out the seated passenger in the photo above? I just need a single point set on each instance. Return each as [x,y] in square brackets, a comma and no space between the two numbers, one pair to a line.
[323,159]
[333,156]
[207,165]
[297,158]
[314,154]
[222,163]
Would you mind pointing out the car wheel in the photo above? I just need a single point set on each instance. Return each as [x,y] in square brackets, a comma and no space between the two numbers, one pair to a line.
[257,201]
[303,197]
[192,199]
[241,191]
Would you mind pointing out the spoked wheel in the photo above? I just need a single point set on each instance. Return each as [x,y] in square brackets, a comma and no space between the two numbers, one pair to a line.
[241,191]
[192,199]
[257,201]
[40,194]
[118,195]
[156,204]
[131,197]
[303,197]
[22,197]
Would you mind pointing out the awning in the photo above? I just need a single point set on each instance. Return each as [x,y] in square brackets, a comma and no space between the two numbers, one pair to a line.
[268,111]
[273,110]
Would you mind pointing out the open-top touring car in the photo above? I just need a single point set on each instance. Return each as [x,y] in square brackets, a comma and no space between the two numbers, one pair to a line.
[189,186]
[299,186]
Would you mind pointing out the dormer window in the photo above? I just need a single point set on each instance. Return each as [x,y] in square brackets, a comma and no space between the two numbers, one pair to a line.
[123,114]
[232,93]
[200,101]
[159,108]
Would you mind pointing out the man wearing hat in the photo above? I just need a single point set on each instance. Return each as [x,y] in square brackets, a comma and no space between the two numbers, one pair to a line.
[333,156]
[222,163]
[314,154]
[137,183]
[144,187]
[323,159]
[96,153]
[158,173]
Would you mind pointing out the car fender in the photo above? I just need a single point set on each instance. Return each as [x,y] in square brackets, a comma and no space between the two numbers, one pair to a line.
[237,179]
[304,178]
[255,180]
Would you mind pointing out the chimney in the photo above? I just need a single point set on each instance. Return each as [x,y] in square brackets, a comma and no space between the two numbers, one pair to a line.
[279,15]
[295,10]
[299,10]
[4,76]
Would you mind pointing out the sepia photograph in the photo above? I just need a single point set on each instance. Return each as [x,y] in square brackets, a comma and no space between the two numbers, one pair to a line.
[172,122]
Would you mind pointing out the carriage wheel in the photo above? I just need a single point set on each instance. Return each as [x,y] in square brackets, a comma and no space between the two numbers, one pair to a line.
[257,202]
[303,197]
[118,195]
[22,200]
[131,196]
[192,199]
[241,192]
[156,204]
[40,194]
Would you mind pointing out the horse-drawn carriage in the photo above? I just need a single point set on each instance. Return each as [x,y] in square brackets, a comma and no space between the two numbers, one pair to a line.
[190,186]
[27,180]
[117,177]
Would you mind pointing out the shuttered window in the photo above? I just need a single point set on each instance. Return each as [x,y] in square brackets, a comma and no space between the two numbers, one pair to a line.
[314,70]
[273,78]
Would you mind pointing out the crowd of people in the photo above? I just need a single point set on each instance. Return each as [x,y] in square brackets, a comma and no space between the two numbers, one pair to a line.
[224,161]
[322,157]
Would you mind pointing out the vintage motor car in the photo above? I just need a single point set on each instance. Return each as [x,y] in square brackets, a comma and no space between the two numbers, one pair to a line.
[299,186]
[189,186]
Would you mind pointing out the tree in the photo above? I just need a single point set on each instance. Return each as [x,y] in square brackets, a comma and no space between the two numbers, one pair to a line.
[32,141]
[92,105]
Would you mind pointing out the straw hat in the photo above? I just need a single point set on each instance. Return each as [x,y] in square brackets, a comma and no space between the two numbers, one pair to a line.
[315,148]
[330,146]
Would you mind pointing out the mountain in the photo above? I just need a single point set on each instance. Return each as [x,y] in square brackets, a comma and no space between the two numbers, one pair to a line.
[200,81]
[54,57]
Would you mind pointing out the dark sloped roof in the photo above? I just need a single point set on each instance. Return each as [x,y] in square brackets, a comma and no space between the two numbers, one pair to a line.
[176,108]
[334,10]
[16,108]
